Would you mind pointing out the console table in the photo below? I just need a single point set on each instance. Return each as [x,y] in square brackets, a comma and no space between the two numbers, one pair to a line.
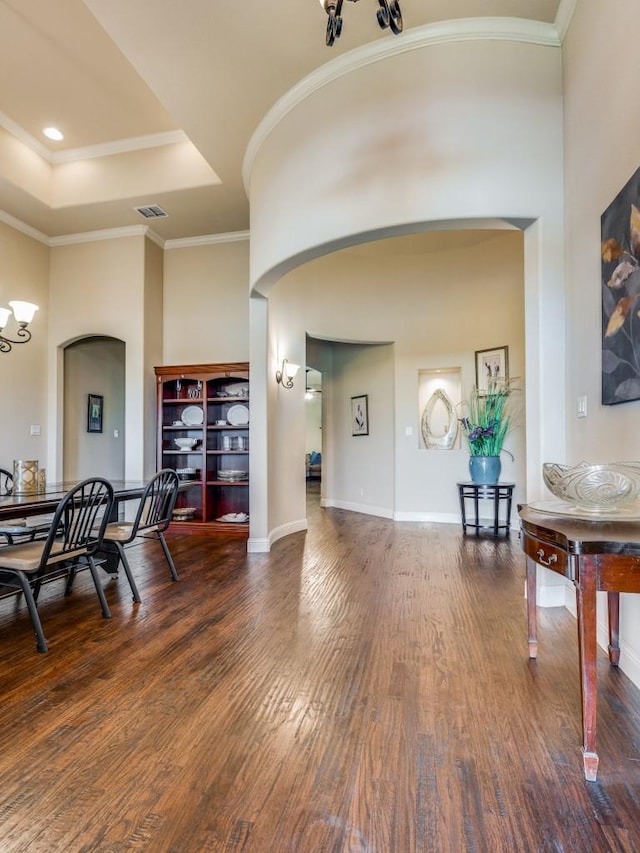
[596,556]
[496,493]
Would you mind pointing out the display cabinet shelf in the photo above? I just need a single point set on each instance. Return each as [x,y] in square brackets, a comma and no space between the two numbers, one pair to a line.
[208,403]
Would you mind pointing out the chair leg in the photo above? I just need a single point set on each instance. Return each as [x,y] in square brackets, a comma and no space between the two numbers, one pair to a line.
[71,576]
[167,553]
[33,613]
[96,582]
[128,573]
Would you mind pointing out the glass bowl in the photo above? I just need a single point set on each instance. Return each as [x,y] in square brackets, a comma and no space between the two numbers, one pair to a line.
[593,487]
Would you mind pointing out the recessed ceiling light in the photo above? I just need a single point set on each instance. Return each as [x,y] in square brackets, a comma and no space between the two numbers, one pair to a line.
[53,133]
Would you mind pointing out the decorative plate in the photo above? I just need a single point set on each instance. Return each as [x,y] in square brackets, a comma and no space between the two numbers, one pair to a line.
[193,416]
[238,415]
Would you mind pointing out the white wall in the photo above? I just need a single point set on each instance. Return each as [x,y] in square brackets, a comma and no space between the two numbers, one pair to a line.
[363,466]
[467,129]
[602,127]
[420,141]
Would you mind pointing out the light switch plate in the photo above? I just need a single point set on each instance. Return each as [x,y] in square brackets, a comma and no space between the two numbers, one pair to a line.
[582,407]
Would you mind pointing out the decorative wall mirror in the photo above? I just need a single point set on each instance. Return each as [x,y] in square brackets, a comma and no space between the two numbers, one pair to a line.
[439,424]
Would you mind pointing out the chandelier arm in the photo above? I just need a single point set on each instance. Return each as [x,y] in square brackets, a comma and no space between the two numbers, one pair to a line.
[395,17]
[388,15]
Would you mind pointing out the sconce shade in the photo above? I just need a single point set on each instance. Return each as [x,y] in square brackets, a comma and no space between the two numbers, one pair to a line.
[285,376]
[23,311]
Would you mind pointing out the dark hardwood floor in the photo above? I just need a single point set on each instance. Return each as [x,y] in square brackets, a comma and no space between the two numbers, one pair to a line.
[364,687]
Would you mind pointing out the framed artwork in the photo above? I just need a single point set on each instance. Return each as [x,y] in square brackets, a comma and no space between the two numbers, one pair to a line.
[94,413]
[620,254]
[360,415]
[492,365]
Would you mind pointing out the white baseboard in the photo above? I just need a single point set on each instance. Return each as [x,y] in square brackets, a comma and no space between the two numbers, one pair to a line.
[437,517]
[366,509]
[629,659]
[263,546]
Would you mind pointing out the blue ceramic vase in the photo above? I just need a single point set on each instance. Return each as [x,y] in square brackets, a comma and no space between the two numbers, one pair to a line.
[485,470]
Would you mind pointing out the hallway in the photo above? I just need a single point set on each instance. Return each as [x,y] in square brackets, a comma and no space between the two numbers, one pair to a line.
[363,687]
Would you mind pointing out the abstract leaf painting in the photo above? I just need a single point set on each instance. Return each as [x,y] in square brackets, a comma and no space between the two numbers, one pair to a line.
[620,251]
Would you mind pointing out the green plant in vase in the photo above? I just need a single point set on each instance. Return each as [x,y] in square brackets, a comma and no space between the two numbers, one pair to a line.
[485,429]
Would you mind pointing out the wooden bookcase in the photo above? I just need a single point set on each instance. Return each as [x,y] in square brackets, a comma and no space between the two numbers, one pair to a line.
[206,405]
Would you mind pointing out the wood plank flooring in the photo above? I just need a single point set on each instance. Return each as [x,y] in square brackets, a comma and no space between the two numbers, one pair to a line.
[363,687]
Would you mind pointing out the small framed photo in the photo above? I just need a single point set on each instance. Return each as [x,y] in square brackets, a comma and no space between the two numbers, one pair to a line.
[492,365]
[94,413]
[360,415]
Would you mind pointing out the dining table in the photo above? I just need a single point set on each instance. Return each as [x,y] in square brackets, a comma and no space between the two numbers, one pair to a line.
[26,506]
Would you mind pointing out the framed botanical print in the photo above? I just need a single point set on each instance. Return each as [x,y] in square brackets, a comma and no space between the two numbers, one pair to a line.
[360,415]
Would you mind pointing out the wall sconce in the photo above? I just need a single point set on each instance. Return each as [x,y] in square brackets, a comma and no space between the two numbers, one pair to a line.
[23,313]
[285,376]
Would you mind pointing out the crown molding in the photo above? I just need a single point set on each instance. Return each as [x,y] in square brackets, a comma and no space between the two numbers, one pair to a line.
[443,32]
[116,233]
[207,240]
[106,149]
[106,234]
[120,146]
[564,16]
[21,226]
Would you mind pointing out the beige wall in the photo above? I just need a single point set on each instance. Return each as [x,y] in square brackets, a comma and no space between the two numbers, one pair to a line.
[468,150]
[153,341]
[436,299]
[206,305]
[99,288]
[601,153]
[24,274]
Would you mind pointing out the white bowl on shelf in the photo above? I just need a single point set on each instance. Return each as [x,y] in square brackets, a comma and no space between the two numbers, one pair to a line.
[232,474]
[186,443]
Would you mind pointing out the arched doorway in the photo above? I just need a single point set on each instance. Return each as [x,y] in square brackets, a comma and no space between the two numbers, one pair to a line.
[94,366]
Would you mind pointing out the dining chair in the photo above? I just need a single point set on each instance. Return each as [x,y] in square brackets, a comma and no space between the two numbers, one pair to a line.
[20,529]
[152,518]
[74,537]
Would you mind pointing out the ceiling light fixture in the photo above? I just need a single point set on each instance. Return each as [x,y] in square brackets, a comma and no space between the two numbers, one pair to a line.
[23,313]
[53,133]
[388,15]
[285,376]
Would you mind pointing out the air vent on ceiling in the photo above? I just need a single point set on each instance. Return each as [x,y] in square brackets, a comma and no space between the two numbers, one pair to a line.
[151,211]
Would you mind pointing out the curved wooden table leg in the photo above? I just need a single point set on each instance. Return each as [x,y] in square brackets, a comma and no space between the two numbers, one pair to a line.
[613,605]
[531,608]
